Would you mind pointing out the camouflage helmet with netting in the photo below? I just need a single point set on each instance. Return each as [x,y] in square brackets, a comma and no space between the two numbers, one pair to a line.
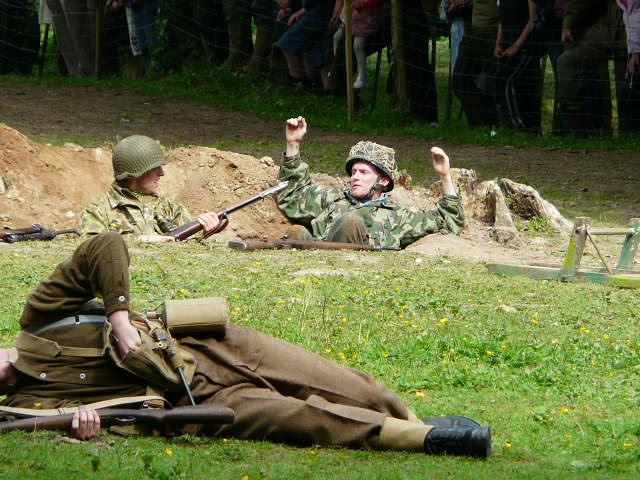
[381,157]
[136,155]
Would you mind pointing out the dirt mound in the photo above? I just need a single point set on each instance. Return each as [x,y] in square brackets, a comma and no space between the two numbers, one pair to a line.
[51,185]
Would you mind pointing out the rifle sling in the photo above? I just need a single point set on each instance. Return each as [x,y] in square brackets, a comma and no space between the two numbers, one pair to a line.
[113,402]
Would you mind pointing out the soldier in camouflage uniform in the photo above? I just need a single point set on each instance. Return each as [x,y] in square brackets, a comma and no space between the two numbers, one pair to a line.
[364,214]
[132,204]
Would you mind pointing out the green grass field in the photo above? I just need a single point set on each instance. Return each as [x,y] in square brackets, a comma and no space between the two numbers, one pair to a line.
[557,379]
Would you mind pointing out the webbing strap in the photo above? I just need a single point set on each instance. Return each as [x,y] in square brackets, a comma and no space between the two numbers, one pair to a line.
[64,322]
[113,402]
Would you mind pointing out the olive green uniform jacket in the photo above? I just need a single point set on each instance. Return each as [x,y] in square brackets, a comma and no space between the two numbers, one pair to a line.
[389,224]
[279,391]
[124,211]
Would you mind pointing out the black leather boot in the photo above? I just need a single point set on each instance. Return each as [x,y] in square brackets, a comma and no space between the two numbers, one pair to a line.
[448,421]
[473,442]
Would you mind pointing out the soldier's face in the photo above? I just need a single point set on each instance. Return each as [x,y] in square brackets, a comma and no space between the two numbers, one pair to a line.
[363,177]
[147,183]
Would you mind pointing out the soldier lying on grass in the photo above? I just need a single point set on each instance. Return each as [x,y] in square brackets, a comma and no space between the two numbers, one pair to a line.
[132,205]
[279,391]
[364,214]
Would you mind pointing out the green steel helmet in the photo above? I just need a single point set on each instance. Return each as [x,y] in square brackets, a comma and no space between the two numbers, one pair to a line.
[135,156]
[381,157]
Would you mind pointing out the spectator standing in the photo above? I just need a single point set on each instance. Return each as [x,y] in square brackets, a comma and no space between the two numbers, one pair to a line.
[518,92]
[302,42]
[242,52]
[592,33]
[141,21]
[367,18]
[629,106]
[474,71]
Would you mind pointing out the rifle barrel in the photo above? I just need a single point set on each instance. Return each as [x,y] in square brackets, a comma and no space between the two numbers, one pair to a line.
[193,226]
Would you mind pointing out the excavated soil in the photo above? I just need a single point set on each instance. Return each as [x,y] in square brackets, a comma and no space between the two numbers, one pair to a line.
[50,185]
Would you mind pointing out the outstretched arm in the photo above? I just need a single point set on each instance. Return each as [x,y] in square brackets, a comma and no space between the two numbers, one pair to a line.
[295,129]
[441,166]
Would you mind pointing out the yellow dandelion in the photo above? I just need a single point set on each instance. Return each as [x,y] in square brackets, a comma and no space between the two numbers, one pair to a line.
[341,307]
[444,320]
[168,451]
[504,347]
[467,326]
[419,394]
[564,410]
[627,445]
[236,309]
[312,452]
[605,336]
[37,404]
[183,291]
[366,292]
[258,264]
[413,325]
[378,314]
[281,301]
[508,444]
[555,341]
[343,319]
[568,436]
[534,321]
[245,477]
[401,315]
[327,350]
[385,355]
[439,325]
[490,353]
[397,289]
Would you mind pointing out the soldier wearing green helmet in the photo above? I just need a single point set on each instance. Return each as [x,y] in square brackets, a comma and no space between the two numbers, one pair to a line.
[132,205]
[364,214]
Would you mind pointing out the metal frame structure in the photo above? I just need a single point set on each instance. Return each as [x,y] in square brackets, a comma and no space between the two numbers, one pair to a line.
[622,275]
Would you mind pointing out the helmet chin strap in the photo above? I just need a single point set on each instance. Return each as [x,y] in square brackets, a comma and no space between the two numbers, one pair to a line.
[377,187]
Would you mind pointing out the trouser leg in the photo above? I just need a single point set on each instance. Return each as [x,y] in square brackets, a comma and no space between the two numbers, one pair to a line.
[238,15]
[262,11]
[349,228]
[473,76]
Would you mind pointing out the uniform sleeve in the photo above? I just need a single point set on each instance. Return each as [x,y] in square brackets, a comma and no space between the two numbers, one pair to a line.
[98,268]
[448,215]
[175,213]
[95,218]
[301,201]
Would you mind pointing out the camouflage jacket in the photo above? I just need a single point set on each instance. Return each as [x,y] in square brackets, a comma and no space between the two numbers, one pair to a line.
[124,211]
[389,224]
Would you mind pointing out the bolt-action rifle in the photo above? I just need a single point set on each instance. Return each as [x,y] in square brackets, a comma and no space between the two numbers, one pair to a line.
[302,245]
[156,417]
[193,226]
[34,232]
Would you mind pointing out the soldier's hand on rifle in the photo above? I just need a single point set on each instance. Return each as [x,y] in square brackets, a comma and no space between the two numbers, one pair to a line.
[441,166]
[295,130]
[126,334]
[85,424]
[155,237]
[209,222]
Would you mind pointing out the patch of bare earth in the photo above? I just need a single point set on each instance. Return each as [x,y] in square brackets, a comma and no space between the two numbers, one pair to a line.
[50,185]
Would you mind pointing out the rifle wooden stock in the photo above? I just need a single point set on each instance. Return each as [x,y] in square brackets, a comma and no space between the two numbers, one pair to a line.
[302,245]
[198,414]
[193,226]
